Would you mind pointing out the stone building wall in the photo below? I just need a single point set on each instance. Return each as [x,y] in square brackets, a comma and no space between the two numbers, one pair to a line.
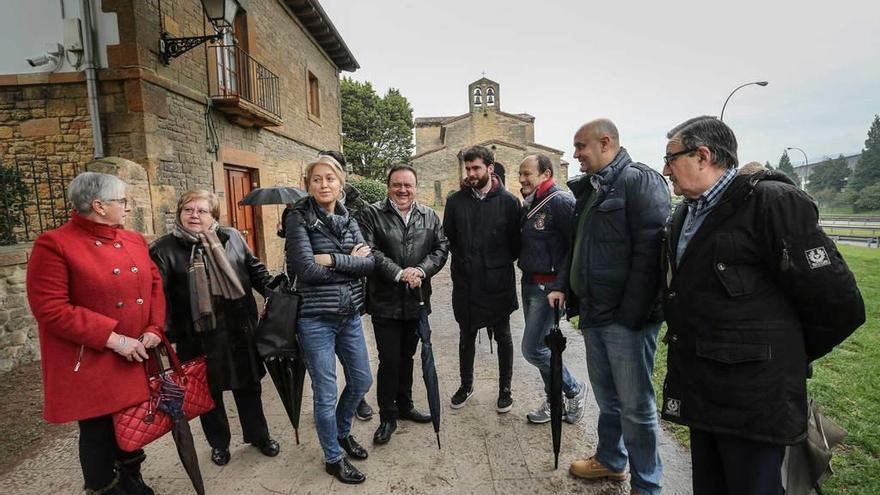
[18,330]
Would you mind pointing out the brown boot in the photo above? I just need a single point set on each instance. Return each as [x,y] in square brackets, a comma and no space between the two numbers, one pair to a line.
[592,469]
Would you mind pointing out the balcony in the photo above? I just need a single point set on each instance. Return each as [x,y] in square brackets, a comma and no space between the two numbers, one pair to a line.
[242,88]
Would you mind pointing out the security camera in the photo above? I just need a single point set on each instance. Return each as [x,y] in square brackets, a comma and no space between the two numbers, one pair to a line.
[40,60]
[54,53]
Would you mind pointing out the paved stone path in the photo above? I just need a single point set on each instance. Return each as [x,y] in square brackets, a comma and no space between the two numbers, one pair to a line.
[483,452]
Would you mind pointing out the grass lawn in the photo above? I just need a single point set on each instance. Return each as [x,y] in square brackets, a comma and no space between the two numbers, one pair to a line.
[845,384]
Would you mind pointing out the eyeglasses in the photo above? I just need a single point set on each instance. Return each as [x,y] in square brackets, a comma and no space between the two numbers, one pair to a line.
[668,159]
[189,211]
[122,201]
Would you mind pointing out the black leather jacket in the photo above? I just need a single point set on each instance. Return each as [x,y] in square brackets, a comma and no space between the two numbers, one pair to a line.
[232,360]
[325,290]
[420,244]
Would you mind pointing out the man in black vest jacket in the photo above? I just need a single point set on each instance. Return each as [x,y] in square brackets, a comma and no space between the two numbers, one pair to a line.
[614,280]
[481,222]
[749,277]
[409,248]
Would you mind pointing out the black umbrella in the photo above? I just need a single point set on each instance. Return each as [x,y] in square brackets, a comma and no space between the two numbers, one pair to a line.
[276,342]
[429,371]
[556,343]
[171,402]
[279,195]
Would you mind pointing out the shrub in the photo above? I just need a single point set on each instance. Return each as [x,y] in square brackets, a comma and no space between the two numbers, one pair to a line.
[14,191]
[371,190]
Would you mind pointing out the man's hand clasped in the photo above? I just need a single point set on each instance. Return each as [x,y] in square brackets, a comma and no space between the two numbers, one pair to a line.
[412,277]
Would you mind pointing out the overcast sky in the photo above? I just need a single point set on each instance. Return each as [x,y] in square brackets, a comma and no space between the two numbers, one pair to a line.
[645,65]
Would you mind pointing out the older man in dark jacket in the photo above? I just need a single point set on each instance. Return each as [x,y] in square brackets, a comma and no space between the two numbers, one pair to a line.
[615,281]
[481,222]
[754,290]
[409,248]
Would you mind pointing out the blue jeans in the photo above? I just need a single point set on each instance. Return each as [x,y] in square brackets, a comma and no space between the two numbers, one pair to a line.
[620,362]
[539,318]
[322,339]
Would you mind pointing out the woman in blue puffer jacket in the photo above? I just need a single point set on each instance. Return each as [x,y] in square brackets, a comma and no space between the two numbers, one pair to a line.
[326,251]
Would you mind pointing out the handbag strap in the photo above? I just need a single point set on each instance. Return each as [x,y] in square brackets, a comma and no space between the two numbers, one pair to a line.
[173,360]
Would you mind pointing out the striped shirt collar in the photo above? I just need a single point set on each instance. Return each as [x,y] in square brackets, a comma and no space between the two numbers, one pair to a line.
[711,196]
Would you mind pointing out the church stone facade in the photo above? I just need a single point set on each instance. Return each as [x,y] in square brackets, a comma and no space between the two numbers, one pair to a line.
[441,142]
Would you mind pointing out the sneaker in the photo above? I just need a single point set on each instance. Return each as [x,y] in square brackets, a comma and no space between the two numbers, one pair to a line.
[505,401]
[574,406]
[461,396]
[540,415]
[591,469]
[364,412]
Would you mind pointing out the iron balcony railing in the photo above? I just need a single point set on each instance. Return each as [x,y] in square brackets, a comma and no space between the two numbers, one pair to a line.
[240,76]
[33,199]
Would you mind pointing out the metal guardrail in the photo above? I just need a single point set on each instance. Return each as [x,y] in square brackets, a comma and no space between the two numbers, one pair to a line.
[33,199]
[239,75]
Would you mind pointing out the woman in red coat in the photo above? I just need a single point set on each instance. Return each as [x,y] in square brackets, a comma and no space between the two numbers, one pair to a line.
[97,298]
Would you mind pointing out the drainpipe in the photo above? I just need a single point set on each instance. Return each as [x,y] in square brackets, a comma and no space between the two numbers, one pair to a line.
[91,80]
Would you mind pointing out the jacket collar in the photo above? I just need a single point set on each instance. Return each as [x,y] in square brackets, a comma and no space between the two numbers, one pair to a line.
[95,229]
[609,173]
[545,188]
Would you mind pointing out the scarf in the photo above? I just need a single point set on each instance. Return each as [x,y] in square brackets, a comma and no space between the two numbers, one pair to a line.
[337,222]
[209,274]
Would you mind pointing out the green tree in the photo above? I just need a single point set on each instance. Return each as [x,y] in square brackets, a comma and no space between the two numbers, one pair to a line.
[769,167]
[867,171]
[829,175]
[786,168]
[378,131]
[12,204]
[868,199]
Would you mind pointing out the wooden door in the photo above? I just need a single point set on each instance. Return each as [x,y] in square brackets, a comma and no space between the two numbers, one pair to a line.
[238,183]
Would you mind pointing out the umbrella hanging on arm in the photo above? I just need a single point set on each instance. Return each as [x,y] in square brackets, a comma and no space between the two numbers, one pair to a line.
[555,341]
[429,370]
[276,342]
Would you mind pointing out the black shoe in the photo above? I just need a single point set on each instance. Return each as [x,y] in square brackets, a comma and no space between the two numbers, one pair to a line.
[345,472]
[505,401]
[414,415]
[130,480]
[269,448]
[461,396]
[384,431]
[354,449]
[364,412]
[220,457]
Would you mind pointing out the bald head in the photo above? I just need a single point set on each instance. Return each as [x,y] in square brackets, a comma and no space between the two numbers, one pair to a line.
[596,143]
[600,128]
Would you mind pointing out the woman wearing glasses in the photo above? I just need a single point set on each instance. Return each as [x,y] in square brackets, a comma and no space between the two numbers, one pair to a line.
[209,273]
[97,298]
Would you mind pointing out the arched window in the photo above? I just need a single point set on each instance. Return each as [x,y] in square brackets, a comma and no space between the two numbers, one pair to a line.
[478,96]
[490,96]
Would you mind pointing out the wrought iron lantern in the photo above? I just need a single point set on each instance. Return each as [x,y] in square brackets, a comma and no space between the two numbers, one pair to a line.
[221,13]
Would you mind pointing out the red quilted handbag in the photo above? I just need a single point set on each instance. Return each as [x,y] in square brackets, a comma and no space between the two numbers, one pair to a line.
[140,424]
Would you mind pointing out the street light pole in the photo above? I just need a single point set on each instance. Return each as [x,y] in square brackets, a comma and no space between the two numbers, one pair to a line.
[806,162]
[758,83]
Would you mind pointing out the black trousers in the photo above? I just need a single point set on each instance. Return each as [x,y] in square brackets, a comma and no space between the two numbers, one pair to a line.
[467,350]
[254,428]
[397,341]
[725,464]
[98,452]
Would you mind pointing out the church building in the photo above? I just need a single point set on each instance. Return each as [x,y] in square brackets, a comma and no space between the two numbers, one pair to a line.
[441,142]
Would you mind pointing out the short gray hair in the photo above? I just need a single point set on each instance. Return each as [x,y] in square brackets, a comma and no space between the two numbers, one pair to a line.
[89,186]
[710,132]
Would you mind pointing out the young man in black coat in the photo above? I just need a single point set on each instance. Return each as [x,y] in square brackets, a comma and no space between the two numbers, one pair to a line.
[753,291]
[481,222]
